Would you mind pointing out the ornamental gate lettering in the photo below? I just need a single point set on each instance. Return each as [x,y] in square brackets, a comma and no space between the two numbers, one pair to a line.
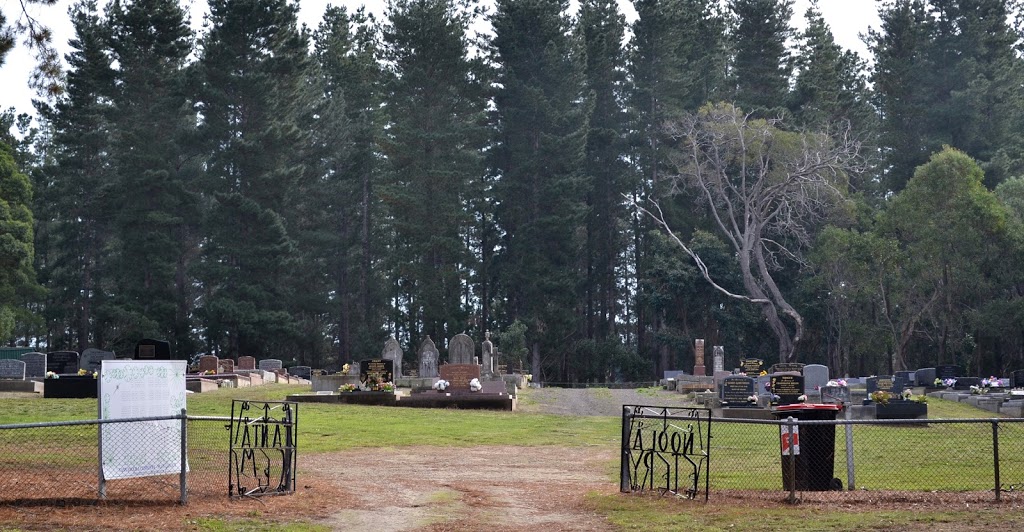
[263,448]
[665,449]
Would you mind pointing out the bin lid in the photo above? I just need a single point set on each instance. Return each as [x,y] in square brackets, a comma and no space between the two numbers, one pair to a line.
[800,407]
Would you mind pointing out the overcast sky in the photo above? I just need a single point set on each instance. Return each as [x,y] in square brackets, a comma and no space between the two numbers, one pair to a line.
[847,18]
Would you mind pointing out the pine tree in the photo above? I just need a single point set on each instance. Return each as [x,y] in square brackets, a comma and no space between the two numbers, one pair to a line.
[761,65]
[436,105]
[346,136]
[540,116]
[17,276]
[79,188]
[252,75]
[155,228]
[601,27]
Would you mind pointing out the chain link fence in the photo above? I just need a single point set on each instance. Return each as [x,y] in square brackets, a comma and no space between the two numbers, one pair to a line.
[830,459]
[58,462]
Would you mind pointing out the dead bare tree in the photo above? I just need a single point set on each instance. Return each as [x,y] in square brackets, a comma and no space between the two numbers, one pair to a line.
[767,190]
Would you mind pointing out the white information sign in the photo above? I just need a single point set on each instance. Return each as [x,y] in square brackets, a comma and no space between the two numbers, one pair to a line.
[135,388]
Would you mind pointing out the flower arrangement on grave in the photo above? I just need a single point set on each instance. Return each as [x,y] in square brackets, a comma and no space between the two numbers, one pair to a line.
[802,398]
[83,372]
[978,390]
[345,369]
[384,387]
[881,397]
[836,383]
[763,373]
[948,383]
[475,386]
[347,388]
[52,375]
[441,385]
[990,382]
[95,374]
[210,372]
[907,395]
[752,399]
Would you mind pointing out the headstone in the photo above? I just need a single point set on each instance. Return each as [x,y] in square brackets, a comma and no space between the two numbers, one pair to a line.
[885,383]
[428,358]
[718,359]
[673,374]
[908,378]
[736,390]
[1016,378]
[35,365]
[947,372]
[460,349]
[225,365]
[246,362]
[784,367]
[925,377]
[302,372]
[459,375]
[834,395]
[751,367]
[209,363]
[92,358]
[149,349]
[62,362]
[393,351]
[487,354]
[789,387]
[270,364]
[12,369]
[965,383]
[698,357]
[376,371]
[815,377]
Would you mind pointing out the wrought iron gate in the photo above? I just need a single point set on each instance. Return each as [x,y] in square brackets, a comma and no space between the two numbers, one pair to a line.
[263,448]
[665,449]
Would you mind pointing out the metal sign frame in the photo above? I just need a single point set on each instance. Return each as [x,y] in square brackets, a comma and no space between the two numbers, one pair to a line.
[263,448]
[667,449]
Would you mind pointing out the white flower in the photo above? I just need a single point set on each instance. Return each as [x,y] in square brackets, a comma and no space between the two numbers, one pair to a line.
[802,398]
[475,386]
[441,385]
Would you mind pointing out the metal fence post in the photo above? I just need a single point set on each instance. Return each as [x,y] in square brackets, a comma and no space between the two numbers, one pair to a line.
[995,454]
[624,482]
[849,454]
[792,459]
[184,458]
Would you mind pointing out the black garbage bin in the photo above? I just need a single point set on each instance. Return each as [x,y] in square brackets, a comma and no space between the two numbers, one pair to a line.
[815,462]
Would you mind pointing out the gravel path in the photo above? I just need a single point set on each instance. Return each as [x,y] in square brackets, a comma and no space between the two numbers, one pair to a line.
[593,401]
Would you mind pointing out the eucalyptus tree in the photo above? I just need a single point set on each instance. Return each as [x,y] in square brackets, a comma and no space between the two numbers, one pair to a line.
[767,191]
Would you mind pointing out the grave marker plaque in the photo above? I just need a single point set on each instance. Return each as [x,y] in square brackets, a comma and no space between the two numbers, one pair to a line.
[947,372]
[270,364]
[149,349]
[784,367]
[885,383]
[92,358]
[62,362]
[736,390]
[925,377]
[751,366]
[789,388]
[459,375]
[908,377]
[302,372]
[376,371]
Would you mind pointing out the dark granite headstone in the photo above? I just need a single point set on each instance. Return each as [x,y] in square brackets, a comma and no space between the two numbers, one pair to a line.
[1016,378]
[92,358]
[305,372]
[751,367]
[149,349]
[908,378]
[459,375]
[947,372]
[736,389]
[35,365]
[376,370]
[789,387]
[62,362]
[784,367]
[12,369]
[965,383]
[885,383]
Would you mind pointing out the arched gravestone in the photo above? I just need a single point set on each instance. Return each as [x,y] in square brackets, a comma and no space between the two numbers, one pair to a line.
[393,352]
[428,358]
[35,365]
[487,354]
[461,349]
[93,358]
